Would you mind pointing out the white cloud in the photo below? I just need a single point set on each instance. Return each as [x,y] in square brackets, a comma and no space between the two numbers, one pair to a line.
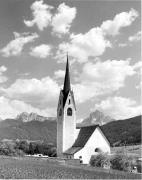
[2,77]
[138,65]
[95,42]
[122,45]
[138,68]
[119,107]
[102,78]
[124,19]
[15,47]
[11,108]
[136,37]
[92,43]
[41,51]
[59,74]
[39,93]
[41,15]
[62,20]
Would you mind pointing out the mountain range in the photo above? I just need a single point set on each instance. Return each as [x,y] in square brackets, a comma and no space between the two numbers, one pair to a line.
[34,127]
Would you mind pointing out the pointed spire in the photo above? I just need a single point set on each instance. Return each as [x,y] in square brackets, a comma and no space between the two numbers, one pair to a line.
[67,86]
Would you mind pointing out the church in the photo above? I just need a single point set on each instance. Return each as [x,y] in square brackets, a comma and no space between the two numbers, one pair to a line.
[90,139]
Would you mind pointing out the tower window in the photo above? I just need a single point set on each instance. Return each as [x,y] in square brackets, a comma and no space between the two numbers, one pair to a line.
[69,101]
[60,112]
[69,112]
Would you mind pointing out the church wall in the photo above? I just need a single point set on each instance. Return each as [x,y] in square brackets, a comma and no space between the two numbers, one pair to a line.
[59,136]
[69,125]
[97,140]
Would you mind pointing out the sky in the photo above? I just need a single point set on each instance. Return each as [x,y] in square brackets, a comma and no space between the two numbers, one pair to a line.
[103,41]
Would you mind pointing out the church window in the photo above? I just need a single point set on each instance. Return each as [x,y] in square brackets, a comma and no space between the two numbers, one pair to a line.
[98,150]
[69,112]
[60,112]
[69,101]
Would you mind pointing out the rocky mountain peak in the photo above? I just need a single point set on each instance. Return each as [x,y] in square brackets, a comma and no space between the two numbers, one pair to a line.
[96,117]
[25,117]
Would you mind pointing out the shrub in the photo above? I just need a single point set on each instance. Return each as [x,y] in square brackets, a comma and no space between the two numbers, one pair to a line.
[100,160]
[122,162]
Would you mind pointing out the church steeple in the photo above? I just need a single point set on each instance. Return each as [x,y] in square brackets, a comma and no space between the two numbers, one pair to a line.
[67,86]
[66,116]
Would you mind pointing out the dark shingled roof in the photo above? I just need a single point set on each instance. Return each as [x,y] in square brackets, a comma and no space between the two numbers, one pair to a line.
[83,136]
[72,150]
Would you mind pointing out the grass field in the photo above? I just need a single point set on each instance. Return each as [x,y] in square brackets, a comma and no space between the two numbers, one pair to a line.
[135,150]
[37,168]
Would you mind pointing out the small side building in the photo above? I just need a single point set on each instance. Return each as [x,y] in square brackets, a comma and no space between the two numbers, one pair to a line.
[90,141]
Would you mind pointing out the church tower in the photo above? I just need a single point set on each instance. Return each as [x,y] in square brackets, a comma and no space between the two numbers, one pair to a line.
[66,116]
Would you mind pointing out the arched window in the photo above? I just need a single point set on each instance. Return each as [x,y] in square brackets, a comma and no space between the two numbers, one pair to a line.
[69,111]
[60,112]
[69,101]
[98,150]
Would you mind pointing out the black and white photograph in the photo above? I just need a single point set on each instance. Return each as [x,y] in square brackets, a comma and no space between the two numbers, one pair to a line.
[70,89]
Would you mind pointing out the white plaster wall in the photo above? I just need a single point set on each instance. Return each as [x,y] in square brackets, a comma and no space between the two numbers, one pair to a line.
[59,133]
[97,140]
[69,125]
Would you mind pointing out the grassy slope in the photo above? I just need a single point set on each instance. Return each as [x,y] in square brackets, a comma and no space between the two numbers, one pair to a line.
[124,131]
[128,130]
[27,168]
[33,130]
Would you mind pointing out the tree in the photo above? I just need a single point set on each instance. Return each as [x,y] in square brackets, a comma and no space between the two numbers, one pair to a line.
[100,160]
[122,162]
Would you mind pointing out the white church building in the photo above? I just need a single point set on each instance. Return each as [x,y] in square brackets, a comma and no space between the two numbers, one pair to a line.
[90,139]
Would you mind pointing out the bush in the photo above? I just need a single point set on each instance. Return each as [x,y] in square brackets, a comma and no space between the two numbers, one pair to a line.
[21,147]
[9,148]
[100,160]
[122,162]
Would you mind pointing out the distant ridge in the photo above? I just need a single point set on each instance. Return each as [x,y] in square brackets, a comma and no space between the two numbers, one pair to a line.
[25,117]
[124,132]
[118,133]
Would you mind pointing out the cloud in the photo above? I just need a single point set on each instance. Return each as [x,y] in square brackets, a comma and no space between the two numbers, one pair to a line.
[138,68]
[95,42]
[2,77]
[39,93]
[41,15]
[11,108]
[137,65]
[102,78]
[122,45]
[119,107]
[41,51]
[59,74]
[15,47]
[124,19]
[61,21]
[136,37]
[82,46]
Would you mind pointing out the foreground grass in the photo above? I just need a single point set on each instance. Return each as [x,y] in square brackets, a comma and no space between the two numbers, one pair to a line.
[37,168]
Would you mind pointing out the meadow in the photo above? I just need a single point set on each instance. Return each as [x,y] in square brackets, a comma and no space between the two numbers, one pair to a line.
[42,168]
[133,150]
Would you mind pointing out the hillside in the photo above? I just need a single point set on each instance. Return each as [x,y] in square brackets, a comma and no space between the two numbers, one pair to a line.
[118,132]
[33,130]
[123,132]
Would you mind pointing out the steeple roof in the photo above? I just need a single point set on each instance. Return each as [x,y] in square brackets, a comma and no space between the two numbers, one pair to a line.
[67,86]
